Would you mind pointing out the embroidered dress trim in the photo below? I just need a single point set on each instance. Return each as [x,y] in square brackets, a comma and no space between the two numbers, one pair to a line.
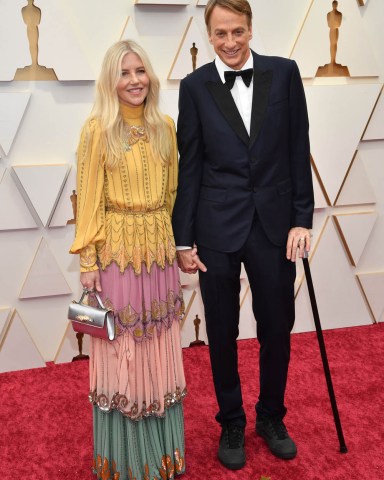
[120,402]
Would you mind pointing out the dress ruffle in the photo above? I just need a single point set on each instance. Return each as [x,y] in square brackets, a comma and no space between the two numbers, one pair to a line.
[138,239]
[140,373]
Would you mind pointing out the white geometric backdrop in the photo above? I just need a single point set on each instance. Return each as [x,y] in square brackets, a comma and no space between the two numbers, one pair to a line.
[40,123]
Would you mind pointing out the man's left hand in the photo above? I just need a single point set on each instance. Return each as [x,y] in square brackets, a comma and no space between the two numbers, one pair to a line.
[299,241]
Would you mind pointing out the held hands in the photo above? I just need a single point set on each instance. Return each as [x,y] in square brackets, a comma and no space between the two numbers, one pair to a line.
[299,240]
[189,261]
[91,280]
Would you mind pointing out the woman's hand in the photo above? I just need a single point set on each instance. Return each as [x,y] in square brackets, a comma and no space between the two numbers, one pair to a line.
[91,280]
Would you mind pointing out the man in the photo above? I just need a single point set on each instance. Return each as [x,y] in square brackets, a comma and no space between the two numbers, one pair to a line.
[245,196]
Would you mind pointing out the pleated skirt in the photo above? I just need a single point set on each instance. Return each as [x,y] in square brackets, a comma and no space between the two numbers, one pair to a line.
[137,382]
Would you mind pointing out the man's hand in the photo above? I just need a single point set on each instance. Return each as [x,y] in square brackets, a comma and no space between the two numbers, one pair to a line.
[91,280]
[189,261]
[299,239]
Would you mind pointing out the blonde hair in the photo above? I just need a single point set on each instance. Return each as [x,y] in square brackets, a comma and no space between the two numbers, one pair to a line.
[106,107]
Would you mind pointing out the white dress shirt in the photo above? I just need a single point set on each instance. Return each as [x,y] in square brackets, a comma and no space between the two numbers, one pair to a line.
[242,95]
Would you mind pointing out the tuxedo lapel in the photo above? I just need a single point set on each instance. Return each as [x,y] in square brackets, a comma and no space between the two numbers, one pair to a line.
[262,81]
[227,106]
[261,85]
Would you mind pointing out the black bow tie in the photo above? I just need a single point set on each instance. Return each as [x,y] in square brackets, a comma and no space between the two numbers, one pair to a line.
[230,77]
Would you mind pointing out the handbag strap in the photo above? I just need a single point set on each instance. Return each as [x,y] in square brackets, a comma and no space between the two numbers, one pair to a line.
[87,291]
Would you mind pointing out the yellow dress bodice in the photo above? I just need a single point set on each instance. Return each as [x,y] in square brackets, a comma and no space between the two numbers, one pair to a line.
[124,213]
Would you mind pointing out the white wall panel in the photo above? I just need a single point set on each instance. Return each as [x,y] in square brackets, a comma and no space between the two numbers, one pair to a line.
[338,115]
[333,283]
[14,214]
[375,128]
[15,102]
[18,351]
[43,185]
[373,287]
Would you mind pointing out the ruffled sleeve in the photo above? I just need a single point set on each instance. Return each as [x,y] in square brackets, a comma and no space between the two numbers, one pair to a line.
[90,219]
[173,169]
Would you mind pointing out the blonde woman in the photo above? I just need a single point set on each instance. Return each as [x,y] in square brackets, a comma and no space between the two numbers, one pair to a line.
[126,186]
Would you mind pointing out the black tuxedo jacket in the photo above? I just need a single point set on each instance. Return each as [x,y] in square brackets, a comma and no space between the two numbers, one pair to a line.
[227,176]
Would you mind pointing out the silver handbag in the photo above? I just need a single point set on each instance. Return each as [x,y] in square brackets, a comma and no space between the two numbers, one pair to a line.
[96,321]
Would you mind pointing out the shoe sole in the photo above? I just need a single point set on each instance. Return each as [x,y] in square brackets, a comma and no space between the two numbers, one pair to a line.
[283,456]
[232,466]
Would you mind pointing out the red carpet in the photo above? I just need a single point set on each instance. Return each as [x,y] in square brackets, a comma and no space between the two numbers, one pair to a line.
[46,425]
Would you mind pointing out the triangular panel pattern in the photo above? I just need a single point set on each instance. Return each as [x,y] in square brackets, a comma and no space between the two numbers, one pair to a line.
[312,49]
[5,319]
[375,128]
[357,188]
[336,128]
[16,215]
[333,281]
[320,200]
[65,207]
[279,27]
[2,171]
[69,346]
[373,287]
[12,108]
[130,32]
[182,65]
[18,351]
[44,278]
[355,230]
[43,185]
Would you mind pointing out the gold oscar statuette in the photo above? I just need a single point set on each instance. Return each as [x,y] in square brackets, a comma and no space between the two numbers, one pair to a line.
[32,17]
[197,342]
[80,356]
[73,199]
[333,69]
[194,51]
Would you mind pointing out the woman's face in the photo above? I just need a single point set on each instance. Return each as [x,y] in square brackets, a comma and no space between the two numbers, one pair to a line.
[133,86]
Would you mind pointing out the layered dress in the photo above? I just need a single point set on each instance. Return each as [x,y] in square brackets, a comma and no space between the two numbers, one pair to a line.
[123,228]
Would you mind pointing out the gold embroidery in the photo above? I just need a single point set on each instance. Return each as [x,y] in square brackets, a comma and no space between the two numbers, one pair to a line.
[167,470]
[101,468]
[137,238]
[121,403]
[179,462]
[133,134]
[130,476]
[88,256]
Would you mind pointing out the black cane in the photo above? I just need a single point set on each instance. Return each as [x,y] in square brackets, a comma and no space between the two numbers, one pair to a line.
[320,338]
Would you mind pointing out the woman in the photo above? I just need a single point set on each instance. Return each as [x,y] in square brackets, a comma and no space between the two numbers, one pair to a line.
[126,186]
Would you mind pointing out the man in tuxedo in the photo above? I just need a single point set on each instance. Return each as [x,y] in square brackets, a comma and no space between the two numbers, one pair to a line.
[245,196]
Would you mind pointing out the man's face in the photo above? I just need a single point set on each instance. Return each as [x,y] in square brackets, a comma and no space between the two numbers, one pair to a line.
[229,33]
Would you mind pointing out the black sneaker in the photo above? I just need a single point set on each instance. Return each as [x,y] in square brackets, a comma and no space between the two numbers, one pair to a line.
[274,432]
[231,448]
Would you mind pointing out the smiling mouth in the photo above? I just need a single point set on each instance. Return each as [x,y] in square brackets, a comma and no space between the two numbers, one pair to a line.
[231,53]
